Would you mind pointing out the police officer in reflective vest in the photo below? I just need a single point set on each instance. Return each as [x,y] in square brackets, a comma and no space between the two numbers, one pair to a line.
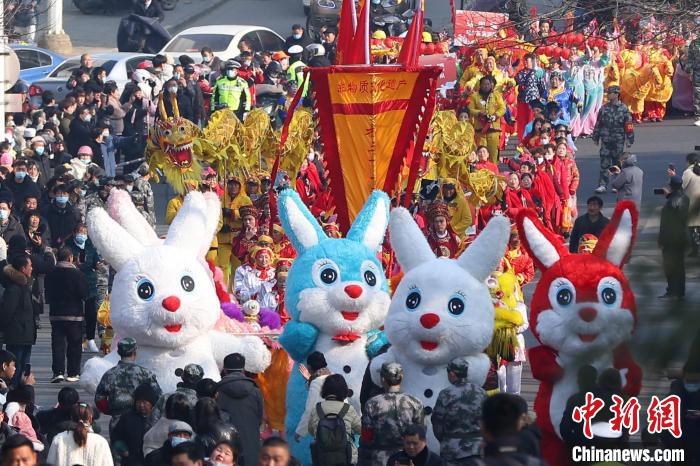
[295,72]
[231,91]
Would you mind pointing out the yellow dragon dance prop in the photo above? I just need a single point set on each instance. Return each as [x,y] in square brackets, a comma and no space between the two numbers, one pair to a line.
[505,293]
[178,148]
[450,144]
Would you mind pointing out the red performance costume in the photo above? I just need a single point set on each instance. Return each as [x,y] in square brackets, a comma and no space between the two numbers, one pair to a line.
[446,244]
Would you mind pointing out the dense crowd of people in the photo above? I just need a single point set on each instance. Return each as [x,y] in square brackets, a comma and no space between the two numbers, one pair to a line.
[63,158]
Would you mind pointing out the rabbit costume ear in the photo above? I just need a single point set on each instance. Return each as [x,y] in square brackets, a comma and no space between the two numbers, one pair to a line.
[122,209]
[214,220]
[193,229]
[544,248]
[112,241]
[615,243]
[301,227]
[370,225]
[408,242]
[483,255]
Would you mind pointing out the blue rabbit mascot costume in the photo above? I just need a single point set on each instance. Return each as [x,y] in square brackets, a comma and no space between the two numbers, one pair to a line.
[336,294]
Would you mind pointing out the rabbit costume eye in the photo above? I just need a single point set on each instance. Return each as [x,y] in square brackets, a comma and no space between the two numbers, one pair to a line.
[413,300]
[145,289]
[370,273]
[456,306]
[610,291]
[325,272]
[187,283]
[562,292]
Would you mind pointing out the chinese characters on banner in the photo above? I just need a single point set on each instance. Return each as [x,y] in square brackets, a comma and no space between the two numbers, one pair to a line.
[662,414]
[368,116]
[474,26]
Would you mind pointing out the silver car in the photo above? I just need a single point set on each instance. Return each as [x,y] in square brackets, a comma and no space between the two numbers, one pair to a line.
[119,67]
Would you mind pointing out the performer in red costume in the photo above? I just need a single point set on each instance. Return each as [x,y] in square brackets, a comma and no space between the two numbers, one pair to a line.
[442,239]
[582,312]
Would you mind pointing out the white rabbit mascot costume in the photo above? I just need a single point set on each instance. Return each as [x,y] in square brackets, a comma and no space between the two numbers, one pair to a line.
[163,293]
[440,310]
[336,293]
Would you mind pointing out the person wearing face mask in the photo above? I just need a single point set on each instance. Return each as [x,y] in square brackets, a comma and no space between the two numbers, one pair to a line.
[87,260]
[688,390]
[20,184]
[178,432]
[295,72]
[199,114]
[61,216]
[10,227]
[298,37]
[249,70]
[80,163]
[210,60]
[149,9]
[231,91]
[80,129]
[38,154]
[174,93]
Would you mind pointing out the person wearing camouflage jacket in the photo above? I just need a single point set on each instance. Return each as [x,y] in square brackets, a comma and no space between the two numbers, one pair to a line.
[114,394]
[693,66]
[457,413]
[386,417]
[613,130]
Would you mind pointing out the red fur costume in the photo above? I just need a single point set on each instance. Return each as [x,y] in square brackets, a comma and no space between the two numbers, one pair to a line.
[582,312]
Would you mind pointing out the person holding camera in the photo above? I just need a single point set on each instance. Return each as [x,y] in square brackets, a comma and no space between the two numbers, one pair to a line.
[628,180]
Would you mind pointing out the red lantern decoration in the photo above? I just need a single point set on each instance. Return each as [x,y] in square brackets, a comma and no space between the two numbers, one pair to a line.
[565,54]
[601,43]
[429,48]
[579,39]
[389,42]
[423,48]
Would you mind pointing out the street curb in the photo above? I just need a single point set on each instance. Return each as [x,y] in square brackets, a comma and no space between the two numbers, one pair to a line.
[186,22]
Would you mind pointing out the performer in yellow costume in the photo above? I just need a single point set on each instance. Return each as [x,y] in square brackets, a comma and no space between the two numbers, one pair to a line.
[486,108]
[234,198]
[661,85]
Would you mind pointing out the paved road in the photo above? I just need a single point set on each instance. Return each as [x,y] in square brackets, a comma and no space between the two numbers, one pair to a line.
[663,333]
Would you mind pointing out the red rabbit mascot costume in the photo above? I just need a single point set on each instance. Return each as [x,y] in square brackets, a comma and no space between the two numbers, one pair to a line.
[582,312]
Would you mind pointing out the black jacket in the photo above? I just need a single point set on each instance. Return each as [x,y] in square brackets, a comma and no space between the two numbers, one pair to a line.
[505,451]
[159,456]
[674,221]
[43,163]
[129,433]
[319,62]
[304,40]
[66,288]
[13,228]
[80,135]
[582,226]
[17,311]
[424,458]
[240,397]
[216,433]
[154,10]
[62,222]
[22,190]
[54,421]
[184,104]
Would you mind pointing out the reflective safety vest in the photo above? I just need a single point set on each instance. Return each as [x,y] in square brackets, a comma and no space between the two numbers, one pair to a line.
[295,73]
[229,92]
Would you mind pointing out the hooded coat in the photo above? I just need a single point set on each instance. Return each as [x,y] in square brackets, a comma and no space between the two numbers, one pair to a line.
[240,397]
[17,311]
[629,181]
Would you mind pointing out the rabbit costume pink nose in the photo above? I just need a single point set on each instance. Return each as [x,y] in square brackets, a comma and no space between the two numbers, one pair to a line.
[588,314]
[354,291]
[171,303]
[429,320]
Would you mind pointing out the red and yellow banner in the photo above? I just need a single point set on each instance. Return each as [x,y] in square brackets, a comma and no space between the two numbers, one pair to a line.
[368,117]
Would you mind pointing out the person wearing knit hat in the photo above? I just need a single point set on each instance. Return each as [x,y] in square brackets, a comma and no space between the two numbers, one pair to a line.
[127,435]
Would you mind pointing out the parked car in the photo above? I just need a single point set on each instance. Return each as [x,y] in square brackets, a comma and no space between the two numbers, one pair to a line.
[34,62]
[119,67]
[223,40]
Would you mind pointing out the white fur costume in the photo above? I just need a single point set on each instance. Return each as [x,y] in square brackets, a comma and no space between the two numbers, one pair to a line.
[441,310]
[163,293]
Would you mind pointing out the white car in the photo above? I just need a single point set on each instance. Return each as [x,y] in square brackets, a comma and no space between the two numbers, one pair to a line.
[119,67]
[222,40]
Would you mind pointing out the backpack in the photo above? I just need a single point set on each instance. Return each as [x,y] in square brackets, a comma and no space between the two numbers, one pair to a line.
[332,445]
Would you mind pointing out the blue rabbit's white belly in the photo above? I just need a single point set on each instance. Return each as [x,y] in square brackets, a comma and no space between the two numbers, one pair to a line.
[349,360]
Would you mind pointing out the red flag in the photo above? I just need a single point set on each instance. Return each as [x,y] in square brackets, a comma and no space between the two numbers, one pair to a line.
[346,31]
[359,52]
[410,49]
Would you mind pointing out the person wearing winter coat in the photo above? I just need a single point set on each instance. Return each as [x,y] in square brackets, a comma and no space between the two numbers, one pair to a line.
[178,432]
[10,227]
[628,180]
[66,288]
[212,426]
[415,449]
[691,187]
[149,9]
[19,184]
[673,237]
[61,216]
[127,435]
[177,409]
[115,109]
[53,421]
[334,392]
[80,130]
[78,445]
[240,397]
[17,312]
